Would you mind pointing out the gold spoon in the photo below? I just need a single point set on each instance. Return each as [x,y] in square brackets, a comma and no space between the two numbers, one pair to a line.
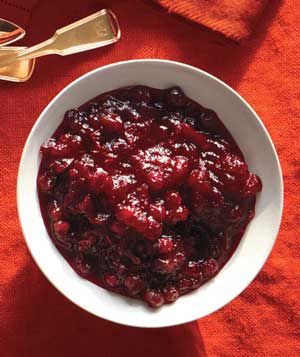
[97,30]
[10,32]
[19,71]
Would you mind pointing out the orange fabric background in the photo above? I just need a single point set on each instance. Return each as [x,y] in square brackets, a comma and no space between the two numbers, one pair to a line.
[35,319]
[234,18]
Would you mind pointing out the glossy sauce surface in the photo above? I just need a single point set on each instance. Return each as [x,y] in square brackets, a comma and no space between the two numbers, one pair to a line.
[145,192]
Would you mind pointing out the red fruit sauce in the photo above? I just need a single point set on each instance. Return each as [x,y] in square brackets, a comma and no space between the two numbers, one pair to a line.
[145,192]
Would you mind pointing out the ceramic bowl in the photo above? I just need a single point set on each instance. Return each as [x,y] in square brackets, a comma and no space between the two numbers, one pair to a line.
[249,133]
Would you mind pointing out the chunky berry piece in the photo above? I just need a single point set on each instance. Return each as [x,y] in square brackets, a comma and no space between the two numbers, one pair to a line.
[145,192]
[233,164]
[158,211]
[61,228]
[46,181]
[112,123]
[122,184]
[165,245]
[169,264]
[100,181]
[60,166]
[159,167]
[74,142]
[137,132]
[204,195]
[193,136]
[86,206]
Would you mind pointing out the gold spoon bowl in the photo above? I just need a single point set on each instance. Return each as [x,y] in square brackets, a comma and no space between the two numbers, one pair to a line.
[97,30]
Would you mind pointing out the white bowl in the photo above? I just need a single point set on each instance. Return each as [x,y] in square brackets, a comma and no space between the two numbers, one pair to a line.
[254,141]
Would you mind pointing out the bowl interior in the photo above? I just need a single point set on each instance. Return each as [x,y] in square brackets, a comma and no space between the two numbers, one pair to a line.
[254,142]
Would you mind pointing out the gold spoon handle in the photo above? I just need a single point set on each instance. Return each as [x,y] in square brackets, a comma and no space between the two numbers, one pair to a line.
[42,49]
[99,29]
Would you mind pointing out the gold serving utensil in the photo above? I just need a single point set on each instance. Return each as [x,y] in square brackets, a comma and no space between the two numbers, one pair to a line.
[10,32]
[19,71]
[97,30]
[16,72]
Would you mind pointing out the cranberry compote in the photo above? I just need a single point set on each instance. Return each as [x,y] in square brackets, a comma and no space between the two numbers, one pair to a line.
[145,192]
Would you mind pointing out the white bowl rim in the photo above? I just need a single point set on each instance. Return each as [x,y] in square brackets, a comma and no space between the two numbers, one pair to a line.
[147,61]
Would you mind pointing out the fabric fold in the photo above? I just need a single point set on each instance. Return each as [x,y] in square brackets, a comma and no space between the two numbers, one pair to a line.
[233,18]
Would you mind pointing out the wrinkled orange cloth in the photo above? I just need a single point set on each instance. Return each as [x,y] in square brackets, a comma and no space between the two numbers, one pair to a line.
[233,18]
[35,319]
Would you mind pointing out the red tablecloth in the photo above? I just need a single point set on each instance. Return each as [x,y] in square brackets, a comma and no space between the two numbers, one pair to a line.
[35,319]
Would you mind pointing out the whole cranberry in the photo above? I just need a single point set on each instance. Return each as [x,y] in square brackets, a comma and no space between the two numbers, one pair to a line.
[134,284]
[233,164]
[191,122]
[209,120]
[171,294]
[209,268]
[173,200]
[193,109]
[119,268]
[193,268]
[181,213]
[61,228]
[111,280]
[253,185]
[158,211]
[154,298]
[55,211]
[175,97]
[71,115]
[81,266]
[140,94]
[48,145]
[185,285]
[169,263]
